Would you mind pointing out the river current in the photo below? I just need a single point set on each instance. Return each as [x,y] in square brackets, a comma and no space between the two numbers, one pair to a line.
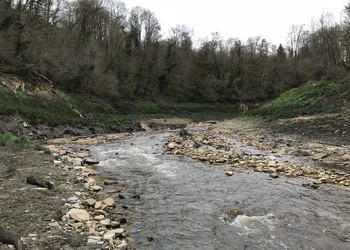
[179,203]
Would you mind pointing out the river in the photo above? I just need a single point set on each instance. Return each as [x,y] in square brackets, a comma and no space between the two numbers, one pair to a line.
[179,203]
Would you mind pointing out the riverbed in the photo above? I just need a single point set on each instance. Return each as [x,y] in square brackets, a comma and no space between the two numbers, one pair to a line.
[180,203]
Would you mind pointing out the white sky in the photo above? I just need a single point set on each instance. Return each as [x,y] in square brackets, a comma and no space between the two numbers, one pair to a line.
[271,19]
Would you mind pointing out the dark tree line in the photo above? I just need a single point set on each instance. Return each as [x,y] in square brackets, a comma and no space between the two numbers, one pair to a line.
[100,47]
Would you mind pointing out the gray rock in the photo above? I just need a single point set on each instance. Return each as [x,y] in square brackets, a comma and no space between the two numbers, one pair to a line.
[73,199]
[274,175]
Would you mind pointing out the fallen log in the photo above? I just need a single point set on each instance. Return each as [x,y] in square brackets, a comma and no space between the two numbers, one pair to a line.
[12,239]
[41,183]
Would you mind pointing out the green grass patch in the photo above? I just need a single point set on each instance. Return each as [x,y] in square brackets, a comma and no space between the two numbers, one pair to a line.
[90,111]
[315,98]
[147,107]
[8,139]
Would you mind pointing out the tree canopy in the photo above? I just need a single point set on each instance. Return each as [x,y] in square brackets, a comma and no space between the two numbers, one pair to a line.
[102,48]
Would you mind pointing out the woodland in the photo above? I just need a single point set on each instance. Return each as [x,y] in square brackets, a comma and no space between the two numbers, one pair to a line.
[101,48]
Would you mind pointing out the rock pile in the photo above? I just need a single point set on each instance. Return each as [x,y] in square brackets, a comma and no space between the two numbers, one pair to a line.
[212,146]
[91,211]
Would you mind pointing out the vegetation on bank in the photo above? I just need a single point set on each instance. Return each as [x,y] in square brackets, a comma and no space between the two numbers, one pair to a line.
[82,110]
[10,140]
[312,98]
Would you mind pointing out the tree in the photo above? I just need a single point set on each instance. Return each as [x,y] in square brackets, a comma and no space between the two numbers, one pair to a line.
[296,38]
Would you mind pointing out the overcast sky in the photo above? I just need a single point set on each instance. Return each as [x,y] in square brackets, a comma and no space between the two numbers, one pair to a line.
[271,19]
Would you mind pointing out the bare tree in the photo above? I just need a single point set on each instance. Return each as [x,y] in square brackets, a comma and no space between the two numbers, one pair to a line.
[296,38]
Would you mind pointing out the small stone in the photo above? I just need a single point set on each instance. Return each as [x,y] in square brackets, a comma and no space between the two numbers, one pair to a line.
[76,161]
[96,188]
[89,202]
[346,157]
[117,242]
[78,214]
[93,240]
[75,205]
[274,175]
[109,202]
[78,225]
[123,244]
[111,234]
[323,179]
[172,145]
[318,182]
[98,205]
[57,162]
[110,182]
[97,212]
[90,161]
[82,154]
[105,222]
[229,173]
[91,182]
[319,156]
[272,163]
[99,217]
[73,199]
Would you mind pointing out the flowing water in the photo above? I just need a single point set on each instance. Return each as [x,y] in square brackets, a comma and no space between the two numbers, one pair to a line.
[186,204]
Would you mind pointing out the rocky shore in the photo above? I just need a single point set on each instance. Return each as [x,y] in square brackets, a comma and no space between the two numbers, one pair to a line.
[92,211]
[318,162]
[70,205]
[81,211]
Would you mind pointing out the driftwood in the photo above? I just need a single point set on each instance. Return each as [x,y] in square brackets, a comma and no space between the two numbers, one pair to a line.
[41,183]
[12,239]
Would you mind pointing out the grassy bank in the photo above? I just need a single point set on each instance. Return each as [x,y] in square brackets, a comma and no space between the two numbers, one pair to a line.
[314,98]
[81,110]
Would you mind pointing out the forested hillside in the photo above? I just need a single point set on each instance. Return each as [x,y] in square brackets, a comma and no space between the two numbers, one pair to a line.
[101,48]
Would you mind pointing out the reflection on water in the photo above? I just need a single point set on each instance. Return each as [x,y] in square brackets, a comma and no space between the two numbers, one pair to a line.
[184,204]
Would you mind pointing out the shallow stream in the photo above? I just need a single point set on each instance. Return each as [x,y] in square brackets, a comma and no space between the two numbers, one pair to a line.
[185,204]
